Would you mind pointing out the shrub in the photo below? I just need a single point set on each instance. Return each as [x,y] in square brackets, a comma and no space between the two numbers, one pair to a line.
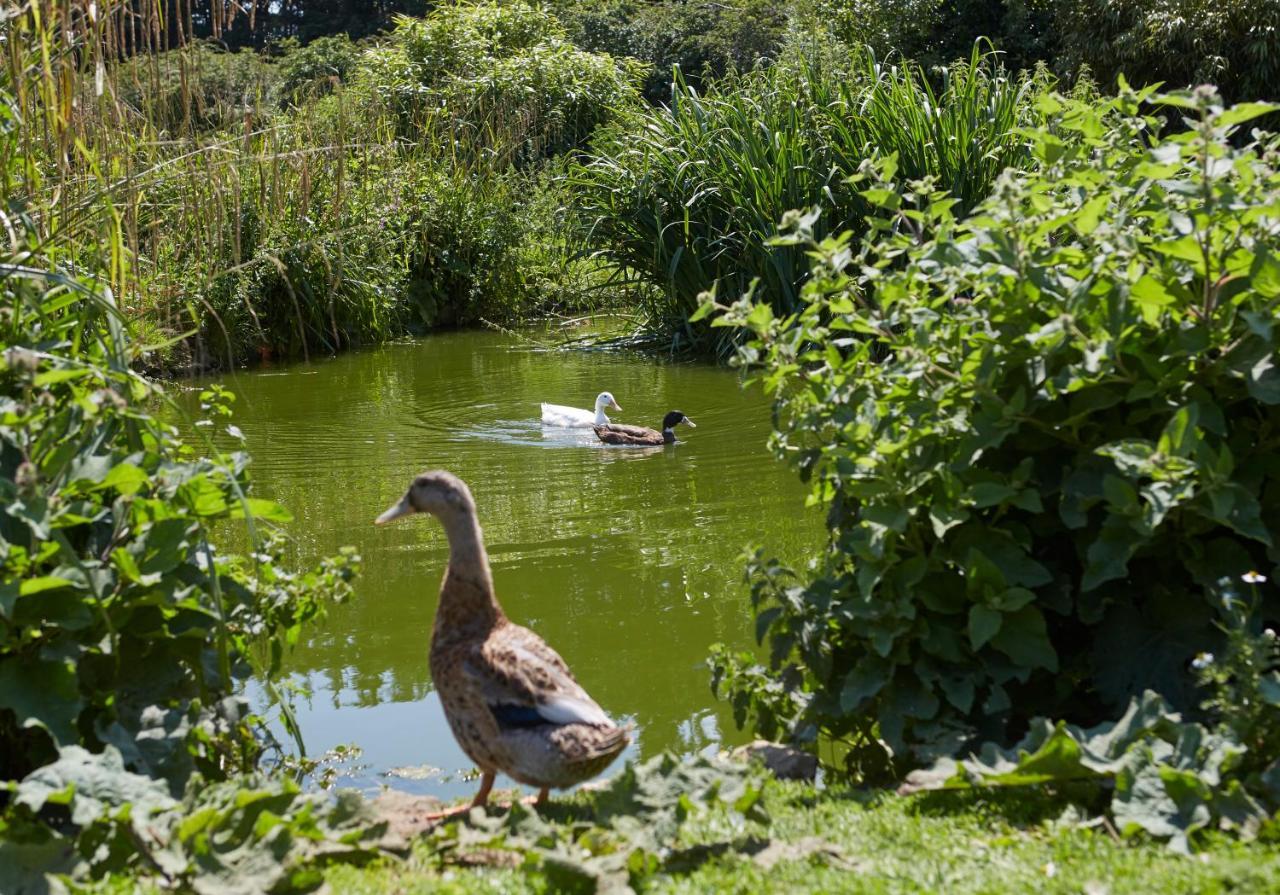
[317,66]
[497,78]
[935,32]
[1235,45]
[121,622]
[198,88]
[1043,434]
[688,197]
[704,40]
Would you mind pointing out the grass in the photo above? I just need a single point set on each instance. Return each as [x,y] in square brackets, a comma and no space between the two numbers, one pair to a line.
[688,197]
[881,843]
[256,220]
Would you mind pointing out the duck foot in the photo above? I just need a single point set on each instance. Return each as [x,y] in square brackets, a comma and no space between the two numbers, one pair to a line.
[482,800]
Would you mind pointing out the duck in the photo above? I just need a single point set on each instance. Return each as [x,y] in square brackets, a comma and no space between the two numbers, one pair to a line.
[511,702]
[616,433]
[573,417]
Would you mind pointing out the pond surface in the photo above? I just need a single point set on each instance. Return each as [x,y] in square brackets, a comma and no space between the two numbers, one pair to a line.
[626,560]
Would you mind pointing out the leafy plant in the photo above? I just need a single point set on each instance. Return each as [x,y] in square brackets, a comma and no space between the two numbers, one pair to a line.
[247,834]
[317,66]
[1042,434]
[631,832]
[501,76]
[122,622]
[1171,778]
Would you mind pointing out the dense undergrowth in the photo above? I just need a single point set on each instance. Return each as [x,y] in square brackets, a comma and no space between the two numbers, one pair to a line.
[1044,435]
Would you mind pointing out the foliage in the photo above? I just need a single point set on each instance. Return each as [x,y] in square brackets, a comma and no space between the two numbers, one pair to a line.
[1181,42]
[1043,435]
[688,197]
[632,831]
[934,32]
[704,40]
[316,66]
[244,835]
[503,78]
[843,839]
[122,622]
[1170,778]
[199,88]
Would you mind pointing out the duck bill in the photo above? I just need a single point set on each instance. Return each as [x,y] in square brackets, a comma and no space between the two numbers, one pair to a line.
[613,405]
[690,423]
[397,511]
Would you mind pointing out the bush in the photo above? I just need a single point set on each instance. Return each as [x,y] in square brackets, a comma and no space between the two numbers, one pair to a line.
[317,66]
[121,622]
[935,32]
[704,40]
[1045,436]
[198,88]
[498,78]
[688,197]
[1234,45]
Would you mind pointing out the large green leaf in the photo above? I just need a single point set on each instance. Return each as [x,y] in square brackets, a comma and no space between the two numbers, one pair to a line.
[42,693]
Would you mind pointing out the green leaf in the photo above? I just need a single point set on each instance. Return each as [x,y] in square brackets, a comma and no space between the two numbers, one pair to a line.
[260,508]
[984,623]
[1024,638]
[42,693]
[1242,112]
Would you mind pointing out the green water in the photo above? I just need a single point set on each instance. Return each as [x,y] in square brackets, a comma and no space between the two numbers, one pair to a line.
[625,559]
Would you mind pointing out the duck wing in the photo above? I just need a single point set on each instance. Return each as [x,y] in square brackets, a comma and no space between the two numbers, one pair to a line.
[525,683]
[622,429]
[571,417]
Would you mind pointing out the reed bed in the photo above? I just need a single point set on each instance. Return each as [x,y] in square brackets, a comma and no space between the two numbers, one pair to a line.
[263,219]
[689,196]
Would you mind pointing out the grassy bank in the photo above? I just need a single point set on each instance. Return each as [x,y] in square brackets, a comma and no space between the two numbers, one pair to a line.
[845,840]
[809,839]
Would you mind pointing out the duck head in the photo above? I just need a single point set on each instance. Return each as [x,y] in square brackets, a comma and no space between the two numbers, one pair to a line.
[603,400]
[675,418]
[440,493]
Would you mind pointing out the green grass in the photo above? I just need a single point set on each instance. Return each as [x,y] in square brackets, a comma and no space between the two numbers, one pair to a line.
[942,842]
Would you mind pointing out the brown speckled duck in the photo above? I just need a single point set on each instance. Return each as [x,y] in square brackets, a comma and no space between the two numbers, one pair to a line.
[616,433]
[511,701]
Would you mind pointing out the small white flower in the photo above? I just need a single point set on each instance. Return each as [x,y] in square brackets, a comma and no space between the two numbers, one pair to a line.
[1252,577]
[1202,661]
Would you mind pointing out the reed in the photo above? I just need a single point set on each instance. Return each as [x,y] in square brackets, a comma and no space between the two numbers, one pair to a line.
[688,196]
[267,221]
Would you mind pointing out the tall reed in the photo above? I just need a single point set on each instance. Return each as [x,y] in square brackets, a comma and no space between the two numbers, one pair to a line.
[689,195]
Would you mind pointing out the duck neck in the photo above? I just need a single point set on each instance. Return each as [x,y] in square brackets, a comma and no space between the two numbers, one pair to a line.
[467,600]
[601,419]
[669,436]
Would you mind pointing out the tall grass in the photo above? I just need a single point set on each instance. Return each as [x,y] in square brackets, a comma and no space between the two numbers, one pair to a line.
[267,222]
[688,196]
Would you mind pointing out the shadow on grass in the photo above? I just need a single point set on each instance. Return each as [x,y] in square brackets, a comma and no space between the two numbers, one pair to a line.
[1022,806]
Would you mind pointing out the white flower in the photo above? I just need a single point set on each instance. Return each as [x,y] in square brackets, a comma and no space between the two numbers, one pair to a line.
[1202,661]
[1252,577]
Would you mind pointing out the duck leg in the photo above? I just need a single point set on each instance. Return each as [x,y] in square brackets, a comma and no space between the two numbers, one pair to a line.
[480,801]
[486,784]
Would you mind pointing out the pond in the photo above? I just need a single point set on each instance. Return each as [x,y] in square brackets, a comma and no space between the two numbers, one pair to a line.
[626,560]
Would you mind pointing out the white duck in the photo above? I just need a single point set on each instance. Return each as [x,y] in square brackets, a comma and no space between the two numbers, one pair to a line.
[573,417]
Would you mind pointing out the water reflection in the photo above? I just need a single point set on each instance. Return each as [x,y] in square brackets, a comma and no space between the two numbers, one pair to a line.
[626,559]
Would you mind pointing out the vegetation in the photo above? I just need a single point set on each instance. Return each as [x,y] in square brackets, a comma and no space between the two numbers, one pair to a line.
[1022,345]
[1042,434]
[689,196]
[840,839]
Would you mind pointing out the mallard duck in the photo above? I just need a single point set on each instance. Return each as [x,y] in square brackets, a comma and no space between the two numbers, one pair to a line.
[573,417]
[616,433]
[511,701]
